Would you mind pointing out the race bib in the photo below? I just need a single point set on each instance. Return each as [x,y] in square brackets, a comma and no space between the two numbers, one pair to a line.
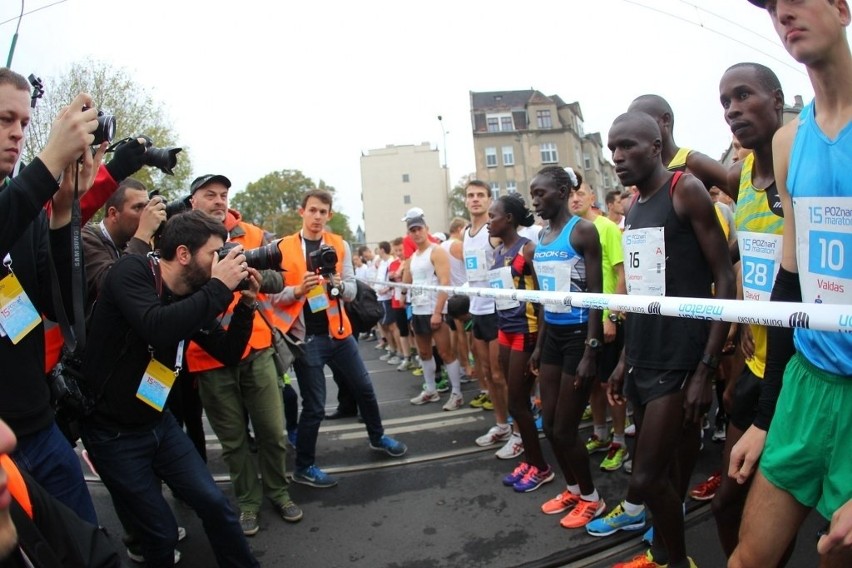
[317,300]
[760,254]
[555,277]
[18,316]
[501,278]
[476,265]
[645,261]
[420,297]
[824,248]
[155,385]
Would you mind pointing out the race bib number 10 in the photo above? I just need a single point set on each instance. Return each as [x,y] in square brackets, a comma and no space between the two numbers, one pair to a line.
[824,248]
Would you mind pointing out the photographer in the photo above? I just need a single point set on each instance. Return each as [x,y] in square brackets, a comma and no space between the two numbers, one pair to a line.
[252,384]
[313,260]
[146,311]
[24,235]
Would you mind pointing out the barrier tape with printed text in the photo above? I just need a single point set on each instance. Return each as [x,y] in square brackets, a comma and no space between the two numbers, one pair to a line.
[824,317]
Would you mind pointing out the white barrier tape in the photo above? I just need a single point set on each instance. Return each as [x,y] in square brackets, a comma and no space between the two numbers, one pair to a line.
[824,317]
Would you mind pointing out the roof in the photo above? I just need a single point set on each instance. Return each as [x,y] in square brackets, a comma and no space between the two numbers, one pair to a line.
[502,100]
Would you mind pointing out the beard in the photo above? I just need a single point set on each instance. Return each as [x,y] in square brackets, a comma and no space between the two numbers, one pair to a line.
[195,275]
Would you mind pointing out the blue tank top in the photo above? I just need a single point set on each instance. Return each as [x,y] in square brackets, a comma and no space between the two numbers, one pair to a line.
[820,186]
[559,268]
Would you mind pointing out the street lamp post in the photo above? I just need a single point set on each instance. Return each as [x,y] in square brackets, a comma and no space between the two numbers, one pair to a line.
[444,134]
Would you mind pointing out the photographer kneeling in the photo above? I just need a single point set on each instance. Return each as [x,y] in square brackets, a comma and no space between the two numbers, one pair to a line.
[146,312]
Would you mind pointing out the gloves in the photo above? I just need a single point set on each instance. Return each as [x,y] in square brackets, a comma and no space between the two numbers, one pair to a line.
[127,160]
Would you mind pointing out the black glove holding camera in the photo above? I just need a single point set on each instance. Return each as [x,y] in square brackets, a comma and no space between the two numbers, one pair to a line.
[128,158]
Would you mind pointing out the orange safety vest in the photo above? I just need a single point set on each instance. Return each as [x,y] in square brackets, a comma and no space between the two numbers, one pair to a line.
[197,359]
[53,342]
[295,266]
[16,484]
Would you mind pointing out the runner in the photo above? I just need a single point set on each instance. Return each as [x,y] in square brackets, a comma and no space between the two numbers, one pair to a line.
[518,326]
[430,266]
[753,101]
[805,462]
[567,259]
[674,246]
[478,258]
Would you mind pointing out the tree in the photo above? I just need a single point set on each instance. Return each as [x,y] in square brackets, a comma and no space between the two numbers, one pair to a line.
[115,92]
[273,202]
[456,197]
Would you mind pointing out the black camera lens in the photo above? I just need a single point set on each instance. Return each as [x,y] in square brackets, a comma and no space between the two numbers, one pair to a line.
[162,158]
[267,257]
[323,260]
[105,130]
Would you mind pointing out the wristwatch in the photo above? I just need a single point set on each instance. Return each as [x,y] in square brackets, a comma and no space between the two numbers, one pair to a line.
[710,360]
[594,343]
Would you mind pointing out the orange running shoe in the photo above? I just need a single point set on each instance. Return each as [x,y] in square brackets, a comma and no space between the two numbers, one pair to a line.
[641,561]
[706,490]
[582,513]
[560,503]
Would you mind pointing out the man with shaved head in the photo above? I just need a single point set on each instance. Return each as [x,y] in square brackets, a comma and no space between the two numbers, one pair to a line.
[706,169]
[673,246]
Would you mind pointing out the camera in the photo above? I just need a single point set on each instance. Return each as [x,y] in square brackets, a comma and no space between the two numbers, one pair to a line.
[267,257]
[165,159]
[68,397]
[106,128]
[323,260]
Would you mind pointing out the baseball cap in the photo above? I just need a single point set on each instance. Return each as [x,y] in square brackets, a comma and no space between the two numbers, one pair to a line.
[415,222]
[206,179]
[412,213]
[441,237]
[596,205]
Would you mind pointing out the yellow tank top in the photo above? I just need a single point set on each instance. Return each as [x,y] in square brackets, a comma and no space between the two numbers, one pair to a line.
[753,215]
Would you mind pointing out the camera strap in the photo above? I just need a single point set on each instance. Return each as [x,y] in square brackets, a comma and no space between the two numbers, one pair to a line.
[74,336]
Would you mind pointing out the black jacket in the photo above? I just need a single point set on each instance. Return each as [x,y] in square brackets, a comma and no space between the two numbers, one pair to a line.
[24,234]
[129,316]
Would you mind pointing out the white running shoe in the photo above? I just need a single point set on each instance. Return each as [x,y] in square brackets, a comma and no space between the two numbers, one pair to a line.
[513,448]
[424,397]
[495,434]
[455,402]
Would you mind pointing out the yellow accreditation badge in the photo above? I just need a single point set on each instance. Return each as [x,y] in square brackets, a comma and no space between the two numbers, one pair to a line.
[18,316]
[155,385]
[317,300]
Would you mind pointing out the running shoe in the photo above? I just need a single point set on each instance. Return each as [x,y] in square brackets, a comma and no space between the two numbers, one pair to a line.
[560,503]
[719,434]
[516,475]
[443,385]
[587,413]
[595,445]
[465,378]
[630,431]
[386,356]
[314,476]
[512,449]
[424,397]
[395,360]
[628,466]
[616,520]
[643,561]
[478,400]
[614,458]
[487,404]
[534,479]
[417,372]
[455,402]
[582,513]
[391,447]
[707,490]
[289,511]
[403,365]
[495,435]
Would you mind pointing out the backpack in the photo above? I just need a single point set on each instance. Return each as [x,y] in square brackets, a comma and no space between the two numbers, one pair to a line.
[364,311]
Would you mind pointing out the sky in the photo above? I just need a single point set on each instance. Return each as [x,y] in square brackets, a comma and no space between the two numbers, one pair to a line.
[257,86]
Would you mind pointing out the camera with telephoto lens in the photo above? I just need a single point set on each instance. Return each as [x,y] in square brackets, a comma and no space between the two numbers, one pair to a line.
[267,257]
[68,396]
[105,130]
[323,261]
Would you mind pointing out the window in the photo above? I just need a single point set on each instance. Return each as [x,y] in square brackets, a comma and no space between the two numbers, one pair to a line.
[579,155]
[548,153]
[491,157]
[495,190]
[580,130]
[606,180]
[511,187]
[405,178]
[587,162]
[493,124]
[543,119]
[501,122]
[506,123]
[508,156]
[406,199]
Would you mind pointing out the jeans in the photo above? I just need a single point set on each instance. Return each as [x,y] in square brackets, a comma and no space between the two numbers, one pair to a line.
[345,362]
[49,459]
[132,465]
[226,393]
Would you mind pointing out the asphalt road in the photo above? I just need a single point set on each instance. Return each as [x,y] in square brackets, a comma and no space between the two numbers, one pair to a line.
[442,505]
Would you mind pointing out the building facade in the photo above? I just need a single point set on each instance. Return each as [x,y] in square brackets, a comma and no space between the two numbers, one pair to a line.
[516,133]
[396,178]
